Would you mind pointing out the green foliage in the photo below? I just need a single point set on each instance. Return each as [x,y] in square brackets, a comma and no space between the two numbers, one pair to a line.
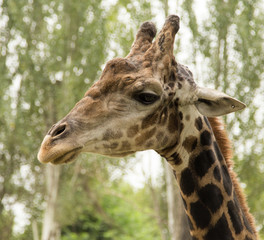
[6,223]
[103,209]
[117,213]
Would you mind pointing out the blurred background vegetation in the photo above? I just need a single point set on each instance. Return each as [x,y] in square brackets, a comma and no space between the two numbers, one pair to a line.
[51,51]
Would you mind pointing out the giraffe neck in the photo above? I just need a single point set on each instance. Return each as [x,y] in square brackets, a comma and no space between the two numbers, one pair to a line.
[209,197]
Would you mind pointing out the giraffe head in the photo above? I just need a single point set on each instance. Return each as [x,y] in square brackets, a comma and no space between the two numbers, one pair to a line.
[135,104]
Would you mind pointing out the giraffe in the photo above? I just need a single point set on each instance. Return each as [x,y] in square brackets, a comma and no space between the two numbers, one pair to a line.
[147,100]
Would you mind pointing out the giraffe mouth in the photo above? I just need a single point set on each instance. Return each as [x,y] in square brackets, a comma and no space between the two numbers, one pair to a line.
[67,157]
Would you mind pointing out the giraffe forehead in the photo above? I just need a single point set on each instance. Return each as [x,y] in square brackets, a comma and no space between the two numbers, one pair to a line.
[122,74]
[120,65]
[125,83]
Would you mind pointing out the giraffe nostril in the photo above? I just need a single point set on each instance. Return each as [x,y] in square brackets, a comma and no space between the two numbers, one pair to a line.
[59,130]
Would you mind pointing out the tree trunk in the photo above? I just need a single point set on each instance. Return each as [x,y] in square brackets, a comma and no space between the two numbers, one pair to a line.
[50,228]
[177,220]
[155,200]
[35,230]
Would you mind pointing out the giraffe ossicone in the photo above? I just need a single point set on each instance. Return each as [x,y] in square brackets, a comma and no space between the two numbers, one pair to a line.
[149,101]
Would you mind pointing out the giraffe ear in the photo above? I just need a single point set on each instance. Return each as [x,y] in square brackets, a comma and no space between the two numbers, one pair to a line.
[212,103]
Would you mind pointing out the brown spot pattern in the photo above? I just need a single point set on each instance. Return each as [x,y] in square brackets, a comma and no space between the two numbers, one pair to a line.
[145,136]
[111,145]
[199,124]
[125,145]
[176,159]
[132,131]
[149,121]
[190,143]
[159,135]
[173,123]
[111,134]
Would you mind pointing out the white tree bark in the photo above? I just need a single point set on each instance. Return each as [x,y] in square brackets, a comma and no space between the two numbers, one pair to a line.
[50,228]
[177,221]
[35,230]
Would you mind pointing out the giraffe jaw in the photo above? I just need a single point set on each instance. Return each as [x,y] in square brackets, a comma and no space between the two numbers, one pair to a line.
[66,153]
[66,157]
[59,154]
[59,158]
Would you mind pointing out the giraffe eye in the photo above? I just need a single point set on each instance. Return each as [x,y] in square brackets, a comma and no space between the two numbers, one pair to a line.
[146,98]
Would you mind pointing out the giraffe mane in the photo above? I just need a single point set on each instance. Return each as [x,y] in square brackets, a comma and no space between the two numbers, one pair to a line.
[225,146]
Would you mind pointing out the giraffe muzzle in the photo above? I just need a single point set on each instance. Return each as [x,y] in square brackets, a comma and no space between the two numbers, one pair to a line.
[52,152]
